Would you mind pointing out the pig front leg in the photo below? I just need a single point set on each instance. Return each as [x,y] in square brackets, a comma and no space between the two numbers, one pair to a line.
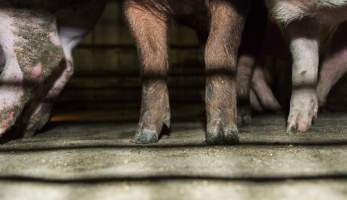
[32,51]
[39,111]
[227,21]
[304,47]
[150,31]
[334,65]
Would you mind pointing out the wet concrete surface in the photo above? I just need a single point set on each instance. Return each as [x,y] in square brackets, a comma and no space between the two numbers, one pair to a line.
[99,161]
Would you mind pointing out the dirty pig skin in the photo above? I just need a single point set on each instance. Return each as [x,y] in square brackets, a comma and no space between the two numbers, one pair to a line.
[301,21]
[38,59]
[148,21]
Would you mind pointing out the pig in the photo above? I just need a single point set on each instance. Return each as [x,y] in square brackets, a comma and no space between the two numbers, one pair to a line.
[301,22]
[224,21]
[38,59]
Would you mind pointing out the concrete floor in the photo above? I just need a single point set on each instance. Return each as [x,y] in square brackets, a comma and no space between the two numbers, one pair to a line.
[99,161]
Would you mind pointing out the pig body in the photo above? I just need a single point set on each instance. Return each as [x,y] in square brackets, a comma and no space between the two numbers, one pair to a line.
[74,23]
[38,59]
[301,21]
[224,21]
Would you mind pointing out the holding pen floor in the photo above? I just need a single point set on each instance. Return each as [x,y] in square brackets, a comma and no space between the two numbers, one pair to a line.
[98,160]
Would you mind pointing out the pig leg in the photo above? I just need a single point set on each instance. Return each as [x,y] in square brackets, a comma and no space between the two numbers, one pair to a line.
[73,24]
[150,31]
[255,103]
[304,47]
[263,91]
[251,43]
[244,74]
[39,111]
[334,65]
[32,52]
[227,21]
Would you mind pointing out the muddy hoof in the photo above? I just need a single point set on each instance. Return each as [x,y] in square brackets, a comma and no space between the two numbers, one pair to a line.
[146,136]
[222,136]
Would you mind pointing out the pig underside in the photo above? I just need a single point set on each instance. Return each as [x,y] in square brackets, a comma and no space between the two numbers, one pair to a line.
[38,58]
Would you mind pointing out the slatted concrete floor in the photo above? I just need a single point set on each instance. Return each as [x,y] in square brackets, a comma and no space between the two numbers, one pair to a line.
[99,161]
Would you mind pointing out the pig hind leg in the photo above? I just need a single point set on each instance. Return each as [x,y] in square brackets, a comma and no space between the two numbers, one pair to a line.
[150,31]
[334,65]
[227,21]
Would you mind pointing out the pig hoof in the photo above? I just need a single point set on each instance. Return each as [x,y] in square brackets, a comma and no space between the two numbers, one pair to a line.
[146,136]
[244,116]
[303,111]
[36,124]
[219,136]
[231,136]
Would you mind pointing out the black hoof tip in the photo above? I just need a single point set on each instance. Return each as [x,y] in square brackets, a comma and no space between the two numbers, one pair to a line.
[146,137]
[225,137]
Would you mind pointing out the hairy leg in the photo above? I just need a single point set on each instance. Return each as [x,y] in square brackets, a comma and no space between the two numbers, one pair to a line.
[150,31]
[227,22]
